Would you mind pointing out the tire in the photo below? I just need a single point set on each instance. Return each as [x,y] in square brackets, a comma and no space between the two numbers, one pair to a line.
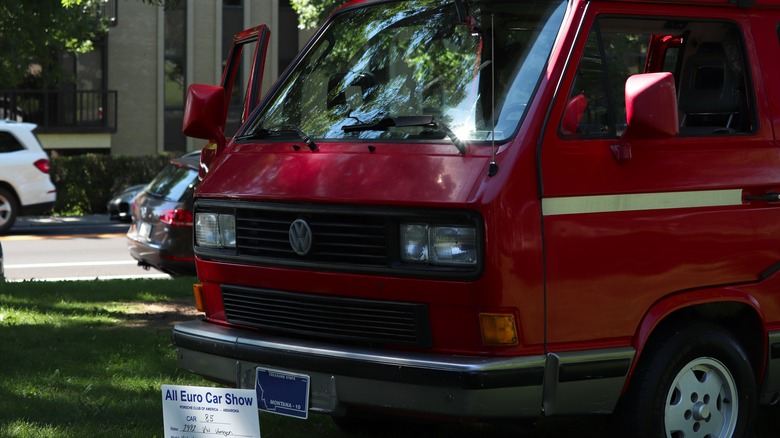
[696,381]
[9,210]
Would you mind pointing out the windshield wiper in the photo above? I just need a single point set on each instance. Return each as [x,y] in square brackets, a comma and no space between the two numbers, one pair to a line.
[285,129]
[385,123]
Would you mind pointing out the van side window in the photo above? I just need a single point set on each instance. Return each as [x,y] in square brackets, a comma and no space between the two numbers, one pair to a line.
[587,109]
[706,58]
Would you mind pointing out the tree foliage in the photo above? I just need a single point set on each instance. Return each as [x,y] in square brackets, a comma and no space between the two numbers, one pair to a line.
[34,32]
[311,13]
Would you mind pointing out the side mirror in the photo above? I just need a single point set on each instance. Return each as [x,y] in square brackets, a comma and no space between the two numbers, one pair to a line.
[651,106]
[204,114]
[573,112]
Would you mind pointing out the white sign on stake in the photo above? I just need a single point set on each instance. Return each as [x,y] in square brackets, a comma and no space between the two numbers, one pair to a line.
[195,411]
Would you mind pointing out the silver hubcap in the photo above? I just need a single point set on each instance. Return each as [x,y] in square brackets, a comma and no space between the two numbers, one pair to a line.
[5,211]
[702,401]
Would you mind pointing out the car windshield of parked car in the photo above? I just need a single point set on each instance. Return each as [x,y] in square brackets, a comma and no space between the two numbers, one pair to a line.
[416,70]
[173,182]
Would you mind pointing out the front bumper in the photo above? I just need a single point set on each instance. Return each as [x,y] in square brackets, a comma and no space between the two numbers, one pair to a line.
[341,376]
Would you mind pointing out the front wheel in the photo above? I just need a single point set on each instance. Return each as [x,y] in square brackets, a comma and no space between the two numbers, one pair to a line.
[696,381]
[8,210]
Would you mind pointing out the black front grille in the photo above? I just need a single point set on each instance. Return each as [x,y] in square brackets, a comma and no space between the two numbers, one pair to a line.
[354,239]
[344,238]
[332,318]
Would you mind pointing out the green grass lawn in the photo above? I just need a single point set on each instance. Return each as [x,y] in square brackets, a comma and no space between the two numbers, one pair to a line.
[88,358]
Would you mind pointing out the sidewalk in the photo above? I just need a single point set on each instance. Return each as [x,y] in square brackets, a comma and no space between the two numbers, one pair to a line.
[28,222]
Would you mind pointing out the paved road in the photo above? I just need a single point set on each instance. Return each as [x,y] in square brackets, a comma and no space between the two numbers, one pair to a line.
[43,248]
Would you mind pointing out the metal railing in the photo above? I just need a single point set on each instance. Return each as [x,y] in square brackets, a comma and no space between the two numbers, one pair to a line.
[67,111]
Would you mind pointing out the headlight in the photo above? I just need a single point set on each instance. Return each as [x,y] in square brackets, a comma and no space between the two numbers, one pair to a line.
[215,230]
[454,245]
[439,245]
[414,242]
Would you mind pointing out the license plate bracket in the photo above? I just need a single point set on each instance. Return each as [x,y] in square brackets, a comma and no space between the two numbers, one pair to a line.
[282,392]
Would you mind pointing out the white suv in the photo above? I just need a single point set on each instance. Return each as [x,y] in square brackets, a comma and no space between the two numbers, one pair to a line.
[25,185]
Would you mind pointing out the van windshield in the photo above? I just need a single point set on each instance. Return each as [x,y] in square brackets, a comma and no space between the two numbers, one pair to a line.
[416,60]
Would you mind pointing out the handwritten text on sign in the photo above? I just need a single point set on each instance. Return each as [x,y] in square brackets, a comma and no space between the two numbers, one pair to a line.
[194,411]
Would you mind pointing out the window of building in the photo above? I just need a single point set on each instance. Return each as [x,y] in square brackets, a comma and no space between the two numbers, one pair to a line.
[175,76]
[233,23]
[288,35]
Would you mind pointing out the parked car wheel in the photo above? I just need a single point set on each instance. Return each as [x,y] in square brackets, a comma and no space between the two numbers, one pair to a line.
[9,210]
[2,269]
[695,382]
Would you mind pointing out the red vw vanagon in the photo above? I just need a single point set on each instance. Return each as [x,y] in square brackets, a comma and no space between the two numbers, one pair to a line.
[500,209]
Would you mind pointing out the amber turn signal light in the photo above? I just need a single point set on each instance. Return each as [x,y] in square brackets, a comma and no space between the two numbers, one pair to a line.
[197,289]
[498,329]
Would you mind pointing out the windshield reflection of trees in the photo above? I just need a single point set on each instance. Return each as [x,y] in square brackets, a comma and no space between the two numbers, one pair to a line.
[405,59]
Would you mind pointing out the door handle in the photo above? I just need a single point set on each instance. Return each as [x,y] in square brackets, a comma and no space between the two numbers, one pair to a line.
[621,152]
[768,197]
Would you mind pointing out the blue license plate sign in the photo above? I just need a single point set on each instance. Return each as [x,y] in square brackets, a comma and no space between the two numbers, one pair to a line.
[282,392]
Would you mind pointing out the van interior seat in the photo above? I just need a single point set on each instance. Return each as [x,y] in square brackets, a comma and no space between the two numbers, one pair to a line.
[709,94]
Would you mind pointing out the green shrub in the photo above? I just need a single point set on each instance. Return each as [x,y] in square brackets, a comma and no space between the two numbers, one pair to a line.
[85,183]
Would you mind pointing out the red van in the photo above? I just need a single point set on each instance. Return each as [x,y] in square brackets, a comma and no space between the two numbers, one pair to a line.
[499,209]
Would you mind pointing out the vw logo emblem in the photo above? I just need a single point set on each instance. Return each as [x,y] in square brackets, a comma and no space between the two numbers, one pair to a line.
[300,237]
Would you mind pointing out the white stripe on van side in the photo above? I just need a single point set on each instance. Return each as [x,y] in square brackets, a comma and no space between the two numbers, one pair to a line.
[640,201]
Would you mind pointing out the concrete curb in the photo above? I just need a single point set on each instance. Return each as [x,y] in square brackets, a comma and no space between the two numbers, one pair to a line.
[27,222]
